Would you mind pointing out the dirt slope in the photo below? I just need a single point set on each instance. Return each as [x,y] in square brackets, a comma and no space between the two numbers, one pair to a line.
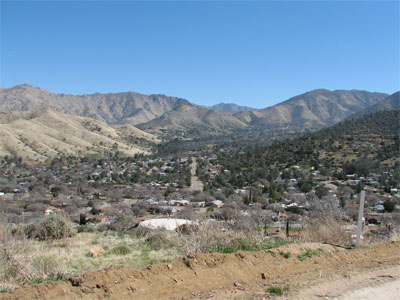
[219,276]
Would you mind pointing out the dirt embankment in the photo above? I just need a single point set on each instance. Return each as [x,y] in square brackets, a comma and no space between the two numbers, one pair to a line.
[241,275]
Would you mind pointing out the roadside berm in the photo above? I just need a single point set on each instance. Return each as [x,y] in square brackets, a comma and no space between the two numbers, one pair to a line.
[240,275]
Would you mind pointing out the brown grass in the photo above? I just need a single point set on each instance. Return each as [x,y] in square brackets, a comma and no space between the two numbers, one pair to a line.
[325,229]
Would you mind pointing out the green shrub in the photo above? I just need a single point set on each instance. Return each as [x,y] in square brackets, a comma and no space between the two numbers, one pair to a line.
[285,254]
[310,253]
[237,245]
[56,277]
[278,291]
[120,250]
[389,206]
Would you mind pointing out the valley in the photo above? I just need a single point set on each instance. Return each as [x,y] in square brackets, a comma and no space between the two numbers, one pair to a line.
[77,191]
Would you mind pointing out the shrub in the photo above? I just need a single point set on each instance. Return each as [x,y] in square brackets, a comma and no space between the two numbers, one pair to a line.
[285,254]
[86,228]
[214,237]
[158,240]
[309,253]
[278,291]
[389,206]
[54,227]
[121,223]
[120,250]
[19,262]
[47,266]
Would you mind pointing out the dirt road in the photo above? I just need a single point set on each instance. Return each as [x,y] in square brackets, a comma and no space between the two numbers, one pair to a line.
[196,184]
[335,272]
[378,283]
[386,291]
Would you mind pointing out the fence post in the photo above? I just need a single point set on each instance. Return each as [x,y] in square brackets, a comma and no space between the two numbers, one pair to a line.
[360,216]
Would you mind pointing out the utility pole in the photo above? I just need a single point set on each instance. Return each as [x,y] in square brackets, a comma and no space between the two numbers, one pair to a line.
[360,216]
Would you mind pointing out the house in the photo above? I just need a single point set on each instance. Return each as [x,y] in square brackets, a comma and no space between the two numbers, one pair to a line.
[379,208]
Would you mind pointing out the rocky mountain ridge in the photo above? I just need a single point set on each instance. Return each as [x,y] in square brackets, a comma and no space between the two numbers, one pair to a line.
[160,113]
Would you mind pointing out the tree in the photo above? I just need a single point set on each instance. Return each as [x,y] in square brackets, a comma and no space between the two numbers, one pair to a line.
[321,191]
[389,206]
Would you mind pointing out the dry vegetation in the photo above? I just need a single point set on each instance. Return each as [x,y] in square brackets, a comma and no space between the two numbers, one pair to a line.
[28,135]
[325,229]
[56,250]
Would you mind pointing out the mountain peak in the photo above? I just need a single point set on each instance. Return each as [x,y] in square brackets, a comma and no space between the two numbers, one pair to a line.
[231,107]
[23,86]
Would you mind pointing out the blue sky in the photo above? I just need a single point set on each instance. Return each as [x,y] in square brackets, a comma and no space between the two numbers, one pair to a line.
[254,53]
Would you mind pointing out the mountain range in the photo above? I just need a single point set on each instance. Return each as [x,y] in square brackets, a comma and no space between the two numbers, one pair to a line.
[308,111]
[46,116]
[312,110]
[113,108]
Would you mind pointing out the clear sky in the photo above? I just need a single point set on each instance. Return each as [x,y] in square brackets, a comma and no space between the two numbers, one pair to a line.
[254,53]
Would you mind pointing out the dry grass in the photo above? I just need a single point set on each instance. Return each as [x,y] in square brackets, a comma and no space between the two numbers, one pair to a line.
[219,237]
[73,252]
[31,261]
[28,135]
[21,263]
[325,229]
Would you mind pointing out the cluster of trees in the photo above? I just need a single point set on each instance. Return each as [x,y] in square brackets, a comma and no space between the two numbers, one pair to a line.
[358,146]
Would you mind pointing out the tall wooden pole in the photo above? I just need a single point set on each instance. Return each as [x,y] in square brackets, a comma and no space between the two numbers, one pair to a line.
[360,216]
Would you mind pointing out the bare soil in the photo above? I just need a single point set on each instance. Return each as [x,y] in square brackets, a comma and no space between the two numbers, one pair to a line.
[242,275]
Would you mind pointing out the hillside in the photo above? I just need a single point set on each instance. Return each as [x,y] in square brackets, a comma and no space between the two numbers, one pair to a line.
[364,145]
[391,102]
[312,110]
[231,107]
[194,120]
[39,135]
[130,108]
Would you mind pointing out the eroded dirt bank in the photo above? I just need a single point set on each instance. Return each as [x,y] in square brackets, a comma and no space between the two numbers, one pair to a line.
[241,275]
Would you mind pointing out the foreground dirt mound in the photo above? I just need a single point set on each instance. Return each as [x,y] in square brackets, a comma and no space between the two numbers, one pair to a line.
[217,276]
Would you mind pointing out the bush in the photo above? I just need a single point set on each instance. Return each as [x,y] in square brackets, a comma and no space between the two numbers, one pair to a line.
[309,253]
[120,250]
[389,206]
[19,262]
[158,240]
[54,227]
[285,254]
[86,228]
[121,223]
[278,291]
